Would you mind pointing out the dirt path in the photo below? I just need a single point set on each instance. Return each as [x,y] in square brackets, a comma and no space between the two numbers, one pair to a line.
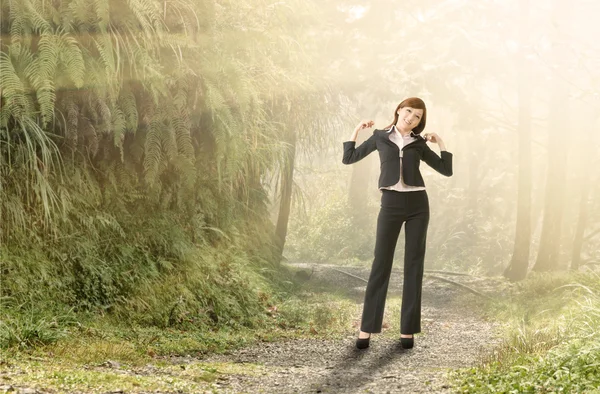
[453,336]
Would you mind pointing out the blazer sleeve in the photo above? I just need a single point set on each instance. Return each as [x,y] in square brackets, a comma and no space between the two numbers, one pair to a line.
[443,164]
[352,154]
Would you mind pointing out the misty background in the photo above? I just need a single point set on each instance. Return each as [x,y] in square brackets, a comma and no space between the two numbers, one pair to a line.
[172,186]
[513,89]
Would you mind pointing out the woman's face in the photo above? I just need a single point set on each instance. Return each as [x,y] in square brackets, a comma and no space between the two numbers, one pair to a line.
[409,118]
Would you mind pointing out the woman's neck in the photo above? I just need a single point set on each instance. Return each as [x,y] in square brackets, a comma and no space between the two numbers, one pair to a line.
[403,132]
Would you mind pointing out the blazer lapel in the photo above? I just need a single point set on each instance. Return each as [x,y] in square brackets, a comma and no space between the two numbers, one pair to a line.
[418,139]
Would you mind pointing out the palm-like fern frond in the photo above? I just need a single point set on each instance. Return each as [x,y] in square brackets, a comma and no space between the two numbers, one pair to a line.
[18,103]
[121,111]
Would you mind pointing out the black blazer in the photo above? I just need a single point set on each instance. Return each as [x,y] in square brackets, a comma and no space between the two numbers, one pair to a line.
[389,155]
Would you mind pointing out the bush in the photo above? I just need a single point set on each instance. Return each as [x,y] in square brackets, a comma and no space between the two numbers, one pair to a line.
[560,353]
[330,232]
[29,325]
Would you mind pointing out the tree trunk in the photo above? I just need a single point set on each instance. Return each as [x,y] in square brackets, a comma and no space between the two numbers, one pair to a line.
[547,259]
[581,224]
[587,196]
[517,269]
[287,180]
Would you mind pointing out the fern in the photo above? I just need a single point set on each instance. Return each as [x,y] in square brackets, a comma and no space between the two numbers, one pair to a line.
[39,23]
[13,89]
[153,150]
[103,115]
[72,58]
[101,7]
[214,99]
[118,130]
[181,124]
[41,72]
[121,126]
[80,14]
[90,137]
[17,21]
[72,123]
[168,142]
[147,14]
[128,105]
[106,51]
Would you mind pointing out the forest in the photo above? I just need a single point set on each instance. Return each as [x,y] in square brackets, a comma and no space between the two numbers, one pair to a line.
[175,215]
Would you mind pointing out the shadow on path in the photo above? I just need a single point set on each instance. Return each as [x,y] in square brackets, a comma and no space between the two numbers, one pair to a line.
[357,368]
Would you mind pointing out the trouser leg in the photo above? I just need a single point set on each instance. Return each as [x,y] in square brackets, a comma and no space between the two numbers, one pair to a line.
[389,224]
[414,259]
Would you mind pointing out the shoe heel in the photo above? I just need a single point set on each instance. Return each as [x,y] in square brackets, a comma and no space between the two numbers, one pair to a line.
[362,343]
[407,343]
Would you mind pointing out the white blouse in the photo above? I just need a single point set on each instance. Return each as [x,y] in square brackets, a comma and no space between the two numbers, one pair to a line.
[400,140]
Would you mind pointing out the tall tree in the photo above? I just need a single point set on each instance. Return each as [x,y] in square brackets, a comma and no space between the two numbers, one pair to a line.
[519,263]
[581,224]
[286,183]
[587,179]
[549,249]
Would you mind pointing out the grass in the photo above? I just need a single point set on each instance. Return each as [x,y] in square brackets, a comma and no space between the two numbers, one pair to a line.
[552,340]
[92,353]
[63,375]
[92,338]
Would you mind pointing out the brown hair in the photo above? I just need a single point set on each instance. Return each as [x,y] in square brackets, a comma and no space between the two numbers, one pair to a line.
[416,103]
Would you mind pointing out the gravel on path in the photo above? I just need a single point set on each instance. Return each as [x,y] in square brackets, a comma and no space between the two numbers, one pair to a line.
[453,336]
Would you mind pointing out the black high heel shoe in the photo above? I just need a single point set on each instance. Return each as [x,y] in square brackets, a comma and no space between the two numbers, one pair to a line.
[407,343]
[363,343]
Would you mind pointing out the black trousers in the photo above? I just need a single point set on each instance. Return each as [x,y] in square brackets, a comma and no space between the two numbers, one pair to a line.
[397,208]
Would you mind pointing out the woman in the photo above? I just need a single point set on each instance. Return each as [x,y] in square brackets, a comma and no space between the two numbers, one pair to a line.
[401,148]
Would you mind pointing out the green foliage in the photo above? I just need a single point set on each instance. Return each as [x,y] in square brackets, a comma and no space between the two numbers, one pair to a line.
[555,351]
[215,289]
[186,287]
[328,232]
[158,115]
[569,368]
[135,138]
[29,325]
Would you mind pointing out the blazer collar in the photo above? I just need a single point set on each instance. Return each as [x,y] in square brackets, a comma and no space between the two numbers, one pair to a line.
[393,128]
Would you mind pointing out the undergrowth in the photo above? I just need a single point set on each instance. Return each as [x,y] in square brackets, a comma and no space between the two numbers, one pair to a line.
[174,318]
[552,341]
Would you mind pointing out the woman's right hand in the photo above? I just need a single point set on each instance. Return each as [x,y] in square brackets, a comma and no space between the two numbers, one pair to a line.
[362,125]
[365,124]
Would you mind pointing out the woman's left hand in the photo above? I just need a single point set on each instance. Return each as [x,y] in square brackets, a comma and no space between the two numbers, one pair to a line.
[436,139]
[432,137]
